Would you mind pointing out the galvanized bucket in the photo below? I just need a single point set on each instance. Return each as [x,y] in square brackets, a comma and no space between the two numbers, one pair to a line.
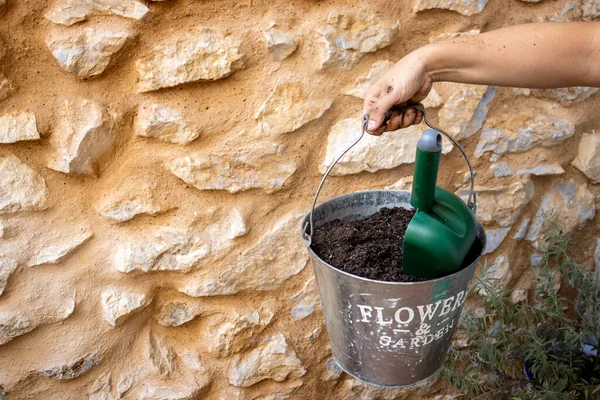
[386,333]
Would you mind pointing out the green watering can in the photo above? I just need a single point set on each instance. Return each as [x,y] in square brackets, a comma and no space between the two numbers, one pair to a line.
[443,230]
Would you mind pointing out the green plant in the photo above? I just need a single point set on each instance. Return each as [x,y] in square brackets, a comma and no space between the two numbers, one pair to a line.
[545,336]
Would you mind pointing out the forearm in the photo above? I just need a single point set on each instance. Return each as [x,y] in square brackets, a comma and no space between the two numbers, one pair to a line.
[545,55]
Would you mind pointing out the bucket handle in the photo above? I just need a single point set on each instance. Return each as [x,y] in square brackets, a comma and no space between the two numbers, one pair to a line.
[471,202]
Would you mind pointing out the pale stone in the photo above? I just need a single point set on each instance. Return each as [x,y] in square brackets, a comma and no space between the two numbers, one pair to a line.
[305,301]
[466,176]
[199,53]
[7,267]
[519,295]
[433,100]
[59,250]
[372,153]
[87,52]
[591,9]
[569,204]
[588,156]
[541,170]
[179,392]
[402,184]
[465,111]
[230,393]
[498,274]
[69,12]
[127,203]
[164,123]
[464,7]
[237,331]
[278,255]
[176,313]
[264,167]
[100,390]
[166,250]
[161,354]
[290,105]
[82,135]
[279,43]
[332,371]
[570,12]
[523,228]
[361,84]
[6,86]
[281,392]
[274,359]
[518,132]
[347,39]
[452,35]
[176,249]
[18,126]
[74,368]
[502,204]
[117,304]
[183,384]
[314,334]
[536,259]
[353,389]
[3,230]
[191,359]
[123,386]
[566,96]
[495,237]
[21,188]
[12,325]
[501,169]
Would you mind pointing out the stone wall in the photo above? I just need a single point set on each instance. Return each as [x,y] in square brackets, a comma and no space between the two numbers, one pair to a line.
[156,159]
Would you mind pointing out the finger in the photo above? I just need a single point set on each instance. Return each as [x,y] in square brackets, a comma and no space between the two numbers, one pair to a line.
[395,122]
[377,132]
[379,102]
[409,118]
[419,118]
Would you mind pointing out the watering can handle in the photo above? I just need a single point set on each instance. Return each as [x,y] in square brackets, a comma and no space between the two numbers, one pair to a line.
[472,200]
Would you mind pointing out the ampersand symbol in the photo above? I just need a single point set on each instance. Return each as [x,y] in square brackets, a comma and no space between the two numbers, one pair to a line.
[423,330]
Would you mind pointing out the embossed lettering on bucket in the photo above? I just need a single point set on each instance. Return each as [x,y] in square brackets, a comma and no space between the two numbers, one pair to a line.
[387,333]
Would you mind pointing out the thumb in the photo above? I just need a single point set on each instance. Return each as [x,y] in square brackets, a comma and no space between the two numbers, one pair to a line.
[378,101]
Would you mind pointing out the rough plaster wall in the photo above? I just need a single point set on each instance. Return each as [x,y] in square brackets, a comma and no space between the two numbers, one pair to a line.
[121,280]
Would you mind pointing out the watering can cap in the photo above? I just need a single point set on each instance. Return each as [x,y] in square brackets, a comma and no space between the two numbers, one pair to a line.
[430,141]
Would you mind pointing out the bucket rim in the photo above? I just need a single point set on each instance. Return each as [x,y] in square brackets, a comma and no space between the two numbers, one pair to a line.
[426,282]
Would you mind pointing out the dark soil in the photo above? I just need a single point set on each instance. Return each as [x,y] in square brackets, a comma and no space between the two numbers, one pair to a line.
[370,248]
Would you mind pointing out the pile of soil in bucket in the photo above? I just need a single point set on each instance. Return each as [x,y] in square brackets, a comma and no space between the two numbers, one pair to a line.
[370,247]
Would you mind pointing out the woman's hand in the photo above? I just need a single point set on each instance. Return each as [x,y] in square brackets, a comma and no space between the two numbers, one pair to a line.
[406,82]
[543,55]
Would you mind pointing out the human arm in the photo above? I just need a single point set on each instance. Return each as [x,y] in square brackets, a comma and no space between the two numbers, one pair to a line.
[541,55]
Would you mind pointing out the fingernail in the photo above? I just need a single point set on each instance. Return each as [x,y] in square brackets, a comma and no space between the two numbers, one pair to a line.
[372,125]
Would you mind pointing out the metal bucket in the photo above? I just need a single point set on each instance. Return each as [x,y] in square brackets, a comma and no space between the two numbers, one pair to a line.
[387,333]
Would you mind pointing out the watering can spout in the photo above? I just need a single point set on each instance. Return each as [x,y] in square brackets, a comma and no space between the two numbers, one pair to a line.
[443,230]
